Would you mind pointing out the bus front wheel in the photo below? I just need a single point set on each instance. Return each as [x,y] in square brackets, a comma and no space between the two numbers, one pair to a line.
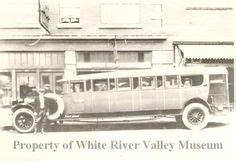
[195,116]
[23,120]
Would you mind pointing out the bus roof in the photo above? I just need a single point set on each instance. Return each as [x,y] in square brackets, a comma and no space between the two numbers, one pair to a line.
[149,72]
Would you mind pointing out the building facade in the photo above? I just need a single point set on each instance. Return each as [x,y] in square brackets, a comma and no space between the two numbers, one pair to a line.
[42,41]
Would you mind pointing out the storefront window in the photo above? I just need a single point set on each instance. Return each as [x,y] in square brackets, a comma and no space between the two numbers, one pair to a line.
[5,89]
[58,86]
[25,83]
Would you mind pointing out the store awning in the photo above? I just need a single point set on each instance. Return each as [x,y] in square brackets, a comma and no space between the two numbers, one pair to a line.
[208,51]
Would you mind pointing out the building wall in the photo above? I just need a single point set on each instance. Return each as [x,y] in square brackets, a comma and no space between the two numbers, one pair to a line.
[174,20]
[199,20]
[91,19]
[179,19]
[19,14]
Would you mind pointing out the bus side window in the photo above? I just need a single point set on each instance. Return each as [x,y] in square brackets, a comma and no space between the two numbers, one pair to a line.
[78,87]
[186,82]
[171,81]
[88,85]
[148,82]
[111,84]
[159,82]
[136,83]
[100,85]
[123,83]
[191,80]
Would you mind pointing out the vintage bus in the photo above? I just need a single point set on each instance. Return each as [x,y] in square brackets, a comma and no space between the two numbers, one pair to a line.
[190,94]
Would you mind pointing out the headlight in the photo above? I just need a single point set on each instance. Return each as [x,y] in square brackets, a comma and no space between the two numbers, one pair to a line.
[28,100]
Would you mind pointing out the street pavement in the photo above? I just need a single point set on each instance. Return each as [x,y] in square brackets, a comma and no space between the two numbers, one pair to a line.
[220,130]
[226,122]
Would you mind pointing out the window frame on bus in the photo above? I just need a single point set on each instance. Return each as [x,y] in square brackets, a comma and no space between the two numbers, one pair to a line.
[67,87]
[93,89]
[178,82]
[109,85]
[162,81]
[138,87]
[148,87]
[123,89]
[72,86]
[91,85]
[182,85]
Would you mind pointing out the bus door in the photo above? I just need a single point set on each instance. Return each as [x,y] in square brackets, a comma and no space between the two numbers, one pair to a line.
[121,99]
[148,93]
[219,89]
[75,98]
[100,96]
[172,92]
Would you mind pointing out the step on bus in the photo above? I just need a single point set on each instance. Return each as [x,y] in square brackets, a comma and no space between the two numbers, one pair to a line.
[190,94]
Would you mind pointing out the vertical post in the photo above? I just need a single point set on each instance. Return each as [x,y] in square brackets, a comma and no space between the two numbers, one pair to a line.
[13,84]
[37,79]
[234,83]
[70,63]
[116,58]
[174,59]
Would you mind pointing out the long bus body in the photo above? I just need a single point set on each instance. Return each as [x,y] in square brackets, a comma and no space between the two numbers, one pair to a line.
[145,90]
[190,94]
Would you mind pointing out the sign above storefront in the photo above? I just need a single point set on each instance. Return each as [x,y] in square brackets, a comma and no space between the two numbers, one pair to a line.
[208,51]
[44,16]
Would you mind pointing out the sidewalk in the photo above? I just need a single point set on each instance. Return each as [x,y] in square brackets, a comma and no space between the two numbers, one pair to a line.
[5,117]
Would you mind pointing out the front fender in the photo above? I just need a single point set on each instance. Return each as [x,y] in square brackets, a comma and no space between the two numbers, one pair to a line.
[22,105]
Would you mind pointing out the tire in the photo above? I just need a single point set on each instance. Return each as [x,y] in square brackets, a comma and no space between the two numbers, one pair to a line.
[23,120]
[195,116]
[60,106]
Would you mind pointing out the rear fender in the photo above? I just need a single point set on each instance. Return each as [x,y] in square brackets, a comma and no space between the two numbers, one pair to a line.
[196,100]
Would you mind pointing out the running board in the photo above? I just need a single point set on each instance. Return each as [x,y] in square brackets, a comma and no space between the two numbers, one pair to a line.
[112,119]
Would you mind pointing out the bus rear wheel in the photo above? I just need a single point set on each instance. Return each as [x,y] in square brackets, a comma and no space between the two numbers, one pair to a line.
[195,116]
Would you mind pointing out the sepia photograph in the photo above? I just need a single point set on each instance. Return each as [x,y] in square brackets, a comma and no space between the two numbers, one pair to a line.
[117,80]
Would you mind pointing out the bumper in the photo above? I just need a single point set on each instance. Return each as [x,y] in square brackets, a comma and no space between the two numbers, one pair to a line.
[222,110]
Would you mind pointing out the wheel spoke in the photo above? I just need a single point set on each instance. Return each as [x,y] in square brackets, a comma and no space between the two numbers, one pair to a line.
[24,121]
[195,116]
